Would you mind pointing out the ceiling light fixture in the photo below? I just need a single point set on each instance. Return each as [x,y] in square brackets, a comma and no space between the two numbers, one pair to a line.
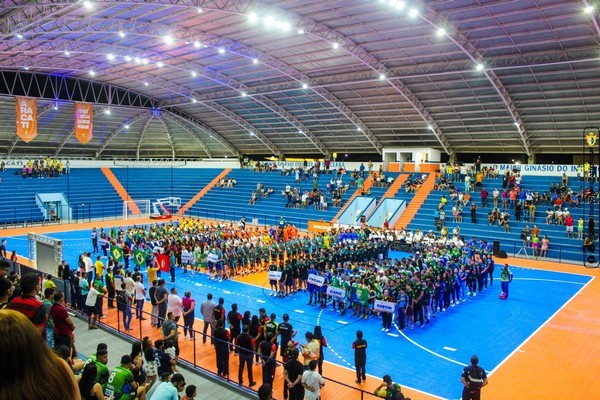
[67,53]
[92,73]
[335,45]
[305,86]
[160,64]
[146,84]
[168,39]
[121,34]
[88,4]
[382,77]
[255,61]
[400,6]
[107,111]
[301,32]
[194,101]
[19,36]
[200,10]
[244,94]
[194,74]
[221,51]
[126,127]
[441,32]
[128,58]
[197,44]
[479,67]
[589,9]
[252,17]
[110,57]
[413,13]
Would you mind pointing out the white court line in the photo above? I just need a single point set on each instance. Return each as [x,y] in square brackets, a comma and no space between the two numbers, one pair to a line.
[427,350]
[549,280]
[393,335]
[299,311]
[342,322]
[518,348]
[260,301]
[449,348]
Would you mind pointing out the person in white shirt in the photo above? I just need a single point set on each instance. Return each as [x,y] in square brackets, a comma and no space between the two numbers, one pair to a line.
[90,303]
[312,382]
[175,305]
[139,296]
[129,284]
[89,267]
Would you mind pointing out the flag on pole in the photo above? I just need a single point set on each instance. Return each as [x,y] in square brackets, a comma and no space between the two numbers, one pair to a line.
[139,256]
[164,262]
[117,253]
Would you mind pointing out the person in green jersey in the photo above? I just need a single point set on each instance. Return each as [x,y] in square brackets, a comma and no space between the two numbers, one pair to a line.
[121,384]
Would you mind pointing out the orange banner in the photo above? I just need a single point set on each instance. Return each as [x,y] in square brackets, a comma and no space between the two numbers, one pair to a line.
[318,226]
[26,118]
[83,122]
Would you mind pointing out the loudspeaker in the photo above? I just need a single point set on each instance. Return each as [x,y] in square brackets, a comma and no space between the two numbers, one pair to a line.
[500,254]
[496,247]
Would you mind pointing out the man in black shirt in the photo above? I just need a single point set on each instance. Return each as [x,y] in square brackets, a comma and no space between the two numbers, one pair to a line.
[235,323]
[245,343]
[360,357]
[292,372]
[222,348]
[286,330]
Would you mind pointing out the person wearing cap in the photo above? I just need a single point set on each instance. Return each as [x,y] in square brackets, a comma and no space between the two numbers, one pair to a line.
[121,383]
[169,390]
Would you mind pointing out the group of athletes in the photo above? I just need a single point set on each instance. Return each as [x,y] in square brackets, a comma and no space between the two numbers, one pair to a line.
[440,274]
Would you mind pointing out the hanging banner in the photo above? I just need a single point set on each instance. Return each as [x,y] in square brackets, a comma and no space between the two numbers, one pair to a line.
[83,122]
[26,118]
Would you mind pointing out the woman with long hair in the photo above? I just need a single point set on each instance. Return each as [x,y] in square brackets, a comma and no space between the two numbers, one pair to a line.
[88,383]
[30,370]
[138,362]
[150,366]
[318,334]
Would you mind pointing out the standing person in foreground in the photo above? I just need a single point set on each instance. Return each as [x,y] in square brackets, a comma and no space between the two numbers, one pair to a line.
[28,304]
[473,379]
[360,357]
[312,381]
[292,373]
[505,278]
[206,309]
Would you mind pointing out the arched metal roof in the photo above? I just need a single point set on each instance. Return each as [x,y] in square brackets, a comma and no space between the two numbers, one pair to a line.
[224,77]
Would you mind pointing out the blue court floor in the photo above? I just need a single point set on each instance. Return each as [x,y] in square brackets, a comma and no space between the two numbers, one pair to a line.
[428,359]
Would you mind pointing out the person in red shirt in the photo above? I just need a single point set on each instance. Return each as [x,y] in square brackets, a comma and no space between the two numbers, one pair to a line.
[63,325]
[28,304]
[569,225]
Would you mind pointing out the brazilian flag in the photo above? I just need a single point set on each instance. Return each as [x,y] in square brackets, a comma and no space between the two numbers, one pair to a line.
[117,253]
[139,257]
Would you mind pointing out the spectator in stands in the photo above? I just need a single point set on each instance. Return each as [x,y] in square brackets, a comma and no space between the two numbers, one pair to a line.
[473,213]
[88,384]
[30,370]
[170,388]
[28,304]
[265,392]
[6,291]
[63,325]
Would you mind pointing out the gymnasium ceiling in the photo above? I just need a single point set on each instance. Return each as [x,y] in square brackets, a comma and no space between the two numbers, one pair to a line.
[218,78]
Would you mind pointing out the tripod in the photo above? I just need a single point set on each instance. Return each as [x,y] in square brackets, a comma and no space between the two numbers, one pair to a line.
[524,250]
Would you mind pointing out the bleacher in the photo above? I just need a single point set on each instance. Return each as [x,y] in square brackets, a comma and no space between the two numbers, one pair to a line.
[232,203]
[154,183]
[88,192]
[560,247]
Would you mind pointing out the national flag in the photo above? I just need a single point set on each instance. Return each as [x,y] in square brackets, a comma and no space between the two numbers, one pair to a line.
[139,256]
[164,262]
[117,253]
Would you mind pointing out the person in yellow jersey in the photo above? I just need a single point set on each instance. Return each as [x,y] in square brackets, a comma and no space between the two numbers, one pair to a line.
[99,267]
[152,272]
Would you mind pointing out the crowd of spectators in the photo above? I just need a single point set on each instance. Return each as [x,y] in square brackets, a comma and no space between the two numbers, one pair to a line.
[49,168]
